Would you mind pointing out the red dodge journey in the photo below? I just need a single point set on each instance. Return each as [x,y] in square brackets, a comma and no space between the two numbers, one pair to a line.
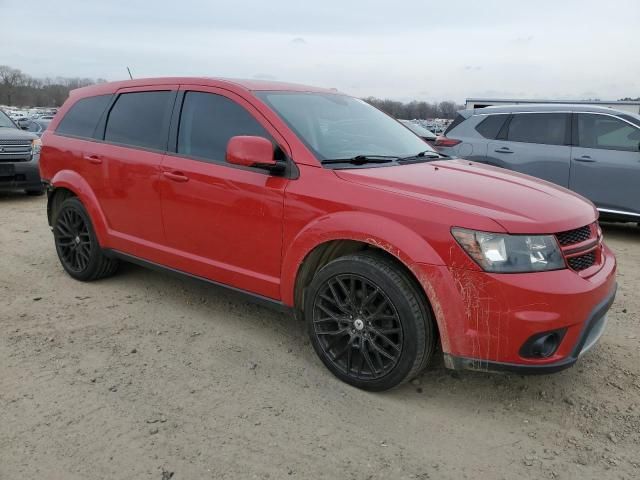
[318,203]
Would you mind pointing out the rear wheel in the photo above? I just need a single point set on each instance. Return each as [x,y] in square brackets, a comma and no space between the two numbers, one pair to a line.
[77,245]
[368,322]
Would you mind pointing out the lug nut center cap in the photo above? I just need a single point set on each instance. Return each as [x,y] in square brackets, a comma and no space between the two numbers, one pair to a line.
[77,240]
[359,324]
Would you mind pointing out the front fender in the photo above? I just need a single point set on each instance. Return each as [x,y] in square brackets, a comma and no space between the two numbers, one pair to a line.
[379,231]
[74,182]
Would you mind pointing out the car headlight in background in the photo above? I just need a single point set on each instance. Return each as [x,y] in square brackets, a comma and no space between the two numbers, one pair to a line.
[503,253]
[36,146]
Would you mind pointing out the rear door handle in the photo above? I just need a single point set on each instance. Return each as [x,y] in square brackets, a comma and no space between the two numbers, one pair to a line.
[96,159]
[503,150]
[176,176]
[585,159]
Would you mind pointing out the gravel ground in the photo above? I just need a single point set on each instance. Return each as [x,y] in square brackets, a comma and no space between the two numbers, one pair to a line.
[146,375]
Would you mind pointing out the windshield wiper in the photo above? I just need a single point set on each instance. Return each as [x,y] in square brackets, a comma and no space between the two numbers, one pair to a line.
[424,154]
[361,159]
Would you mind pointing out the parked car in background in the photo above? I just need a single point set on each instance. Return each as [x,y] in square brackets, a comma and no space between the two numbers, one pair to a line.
[19,156]
[23,122]
[38,126]
[594,151]
[422,132]
[318,203]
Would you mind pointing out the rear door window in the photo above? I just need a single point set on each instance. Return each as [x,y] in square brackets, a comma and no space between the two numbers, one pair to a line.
[607,133]
[544,128]
[83,116]
[207,123]
[491,125]
[141,119]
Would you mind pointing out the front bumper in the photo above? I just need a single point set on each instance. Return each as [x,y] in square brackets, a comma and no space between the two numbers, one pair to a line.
[592,331]
[485,319]
[24,176]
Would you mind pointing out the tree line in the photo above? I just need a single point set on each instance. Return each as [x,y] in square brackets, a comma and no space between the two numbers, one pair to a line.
[19,89]
[22,90]
[415,109]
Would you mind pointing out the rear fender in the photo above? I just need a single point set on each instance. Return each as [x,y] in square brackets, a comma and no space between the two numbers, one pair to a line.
[74,182]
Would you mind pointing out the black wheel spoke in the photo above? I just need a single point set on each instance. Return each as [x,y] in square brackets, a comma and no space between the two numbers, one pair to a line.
[357,326]
[73,240]
[386,339]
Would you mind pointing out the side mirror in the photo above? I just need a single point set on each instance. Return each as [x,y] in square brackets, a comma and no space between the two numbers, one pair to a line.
[249,151]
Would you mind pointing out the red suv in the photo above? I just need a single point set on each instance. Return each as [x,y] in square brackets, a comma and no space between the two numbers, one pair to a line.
[316,202]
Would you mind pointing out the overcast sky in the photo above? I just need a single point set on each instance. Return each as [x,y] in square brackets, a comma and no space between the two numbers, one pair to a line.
[401,49]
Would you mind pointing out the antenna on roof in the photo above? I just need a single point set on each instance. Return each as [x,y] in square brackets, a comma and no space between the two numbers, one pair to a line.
[130,76]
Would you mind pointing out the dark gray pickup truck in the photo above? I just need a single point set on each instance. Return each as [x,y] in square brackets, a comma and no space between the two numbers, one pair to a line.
[19,156]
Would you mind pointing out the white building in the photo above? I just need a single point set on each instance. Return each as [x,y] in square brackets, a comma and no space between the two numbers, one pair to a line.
[628,106]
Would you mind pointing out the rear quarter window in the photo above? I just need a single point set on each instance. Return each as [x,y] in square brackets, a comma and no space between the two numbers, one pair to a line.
[456,121]
[83,116]
[491,125]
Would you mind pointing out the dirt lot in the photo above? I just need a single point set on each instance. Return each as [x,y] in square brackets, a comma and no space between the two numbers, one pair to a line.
[146,375]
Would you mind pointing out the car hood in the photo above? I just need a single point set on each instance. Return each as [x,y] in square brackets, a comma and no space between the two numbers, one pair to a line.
[15,134]
[519,203]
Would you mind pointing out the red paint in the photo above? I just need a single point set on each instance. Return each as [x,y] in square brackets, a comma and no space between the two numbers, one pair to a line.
[250,151]
[252,230]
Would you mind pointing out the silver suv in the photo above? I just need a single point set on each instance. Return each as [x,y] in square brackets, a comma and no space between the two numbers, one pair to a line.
[594,151]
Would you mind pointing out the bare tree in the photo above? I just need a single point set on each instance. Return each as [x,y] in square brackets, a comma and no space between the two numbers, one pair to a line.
[10,78]
[17,88]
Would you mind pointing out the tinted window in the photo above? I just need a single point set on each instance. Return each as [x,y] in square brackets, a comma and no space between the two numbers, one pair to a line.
[456,121]
[83,116]
[490,126]
[547,128]
[207,123]
[609,133]
[631,118]
[140,119]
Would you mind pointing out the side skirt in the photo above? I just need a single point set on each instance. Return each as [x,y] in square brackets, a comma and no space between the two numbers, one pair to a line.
[253,297]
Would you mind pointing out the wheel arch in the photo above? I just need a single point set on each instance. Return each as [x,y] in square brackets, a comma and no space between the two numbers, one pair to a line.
[67,183]
[331,237]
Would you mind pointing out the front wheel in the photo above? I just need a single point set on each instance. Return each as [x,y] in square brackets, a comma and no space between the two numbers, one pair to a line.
[368,322]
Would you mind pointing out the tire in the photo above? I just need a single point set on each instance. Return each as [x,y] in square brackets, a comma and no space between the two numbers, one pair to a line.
[365,305]
[77,245]
[35,192]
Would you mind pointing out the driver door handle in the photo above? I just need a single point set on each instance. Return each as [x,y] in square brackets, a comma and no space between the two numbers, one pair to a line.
[176,176]
[585,159]
[95,159]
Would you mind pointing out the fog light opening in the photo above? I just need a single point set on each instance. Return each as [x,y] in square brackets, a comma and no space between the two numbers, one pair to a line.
[545,346]
[542,345]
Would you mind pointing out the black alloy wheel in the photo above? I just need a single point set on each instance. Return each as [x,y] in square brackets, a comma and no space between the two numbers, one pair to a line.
[357,326]
[73,240]
[369,321]
[76,243]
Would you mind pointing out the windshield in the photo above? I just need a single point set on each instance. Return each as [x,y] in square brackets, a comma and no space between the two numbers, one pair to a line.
[336,126]
[5,121]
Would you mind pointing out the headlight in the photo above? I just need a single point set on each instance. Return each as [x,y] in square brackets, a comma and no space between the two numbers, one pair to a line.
[502,253]
[36,146]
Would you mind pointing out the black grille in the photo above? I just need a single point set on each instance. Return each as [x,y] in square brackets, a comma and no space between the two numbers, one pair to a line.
[574,236]
[582,262]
